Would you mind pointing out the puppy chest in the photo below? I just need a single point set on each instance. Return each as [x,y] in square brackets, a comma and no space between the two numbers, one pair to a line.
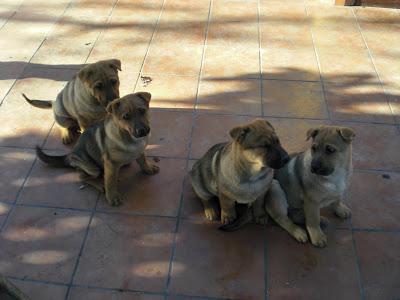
[249,192]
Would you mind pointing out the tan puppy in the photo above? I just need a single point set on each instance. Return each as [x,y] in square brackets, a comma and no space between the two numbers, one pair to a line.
[238,171]
[84,99]
[104,148]
[311,180]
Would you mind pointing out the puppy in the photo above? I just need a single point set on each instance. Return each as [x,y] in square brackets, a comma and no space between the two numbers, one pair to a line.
[83,101]
[311,180]
[104,148]
[238,171]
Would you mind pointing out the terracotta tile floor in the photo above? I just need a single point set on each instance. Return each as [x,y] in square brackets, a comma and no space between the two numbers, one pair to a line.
[212,64]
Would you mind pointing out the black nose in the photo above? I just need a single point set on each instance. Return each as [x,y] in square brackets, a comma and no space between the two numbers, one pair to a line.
[285,159]
[315,166]
[142,131]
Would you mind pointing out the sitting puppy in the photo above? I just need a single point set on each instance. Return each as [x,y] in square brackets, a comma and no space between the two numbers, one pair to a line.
[311,180]
[104,148]
[83,101]
[238,171]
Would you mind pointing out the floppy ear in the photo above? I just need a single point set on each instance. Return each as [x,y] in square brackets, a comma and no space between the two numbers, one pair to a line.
[239,133]
[144,96]
[312,133]
[269,125]
[115,64]
[113,105]
[347,134]
[85,73]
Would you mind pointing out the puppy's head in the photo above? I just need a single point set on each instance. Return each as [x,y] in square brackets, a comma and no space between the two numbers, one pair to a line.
[260,144]
[130,113]
[329,147]
[101,79]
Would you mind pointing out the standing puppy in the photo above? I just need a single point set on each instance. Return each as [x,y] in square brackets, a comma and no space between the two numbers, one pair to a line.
[104,148]
[238,171]
[316,178]
[83,101]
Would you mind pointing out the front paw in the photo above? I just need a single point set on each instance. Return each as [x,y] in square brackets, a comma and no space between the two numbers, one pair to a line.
[342,211]
[211,214]
[151,169]
[114,199]
[319,240]
[300,235]
[228,217]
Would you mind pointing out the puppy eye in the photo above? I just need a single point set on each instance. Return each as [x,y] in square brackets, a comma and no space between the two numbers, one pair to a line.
[113,81]
[141,110]
[126,116]
[313,148]
[99,86]
[329,150]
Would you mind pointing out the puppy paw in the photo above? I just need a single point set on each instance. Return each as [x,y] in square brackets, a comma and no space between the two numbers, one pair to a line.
[211,214]
[227,218]
[114,199]
[320,240]
[342,211]
[67,139]
[300,235]
[151,169]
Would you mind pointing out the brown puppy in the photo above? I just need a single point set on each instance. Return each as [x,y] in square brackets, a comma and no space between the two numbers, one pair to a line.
[238,171]
[84,99]
[104,148]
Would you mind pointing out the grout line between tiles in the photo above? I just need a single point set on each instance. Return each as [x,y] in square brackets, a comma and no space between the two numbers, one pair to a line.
[194,112]
[149,45]
[371,57]
[358,264]
[34,53]
[318,63]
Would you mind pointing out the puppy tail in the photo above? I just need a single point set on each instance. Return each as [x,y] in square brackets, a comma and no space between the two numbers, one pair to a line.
[57,161]
[242,220]
[39,103]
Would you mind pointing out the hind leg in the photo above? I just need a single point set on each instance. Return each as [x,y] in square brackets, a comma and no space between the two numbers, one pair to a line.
[277,207]
[97,183]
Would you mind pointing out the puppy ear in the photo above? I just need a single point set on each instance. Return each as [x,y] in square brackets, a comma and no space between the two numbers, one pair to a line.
[115,64]
[269,125]
[239,133]
[113,105]
[347,134]
[312,133]
[85,73]
[144,96]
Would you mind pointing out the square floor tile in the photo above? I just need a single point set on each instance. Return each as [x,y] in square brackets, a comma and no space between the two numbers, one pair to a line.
[237,96]
[365,103]
[293,266]
[379,263]
[23,124]
[210,130]
[297,64]
[78,293]
[9,72]
[127,252]
[170,92]
[42,243]
[14,167]
[170,132]
[375,146]
[212,263]
[231,63]
[41,291]
[167,58]
[139,192]
[374,200]
[293,99]
[234,35]
[56,187]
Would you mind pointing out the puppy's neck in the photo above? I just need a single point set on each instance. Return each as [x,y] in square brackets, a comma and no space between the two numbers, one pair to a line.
[114,132]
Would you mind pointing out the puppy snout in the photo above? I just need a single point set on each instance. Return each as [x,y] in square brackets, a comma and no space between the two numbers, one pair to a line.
[315,166]
[285,159]
[142,131]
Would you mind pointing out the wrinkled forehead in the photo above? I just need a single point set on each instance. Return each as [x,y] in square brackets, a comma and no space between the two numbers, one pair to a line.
[131,102]
[261,133]
[329,136]
[102,72]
